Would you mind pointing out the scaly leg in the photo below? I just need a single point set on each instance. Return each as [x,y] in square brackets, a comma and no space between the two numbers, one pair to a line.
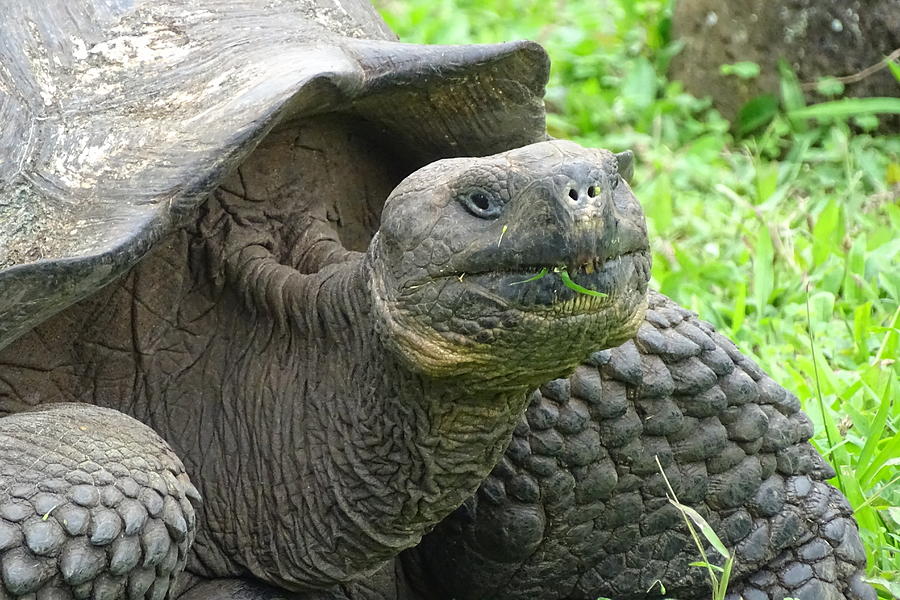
[93,504]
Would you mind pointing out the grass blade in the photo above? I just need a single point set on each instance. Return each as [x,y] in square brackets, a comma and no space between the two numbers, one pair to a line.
[704,527]
[726,577]
[540,274]
[848,107]
[564,275]
[864,462]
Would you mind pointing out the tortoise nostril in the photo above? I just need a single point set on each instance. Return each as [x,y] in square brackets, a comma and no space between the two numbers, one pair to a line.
[593,192]
[573,194]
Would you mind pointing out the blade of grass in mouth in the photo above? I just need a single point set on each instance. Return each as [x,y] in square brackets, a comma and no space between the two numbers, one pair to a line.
[564,275]
[535,278]
[567,281]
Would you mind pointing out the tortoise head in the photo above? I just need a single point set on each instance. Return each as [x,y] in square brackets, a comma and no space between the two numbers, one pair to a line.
[515,266]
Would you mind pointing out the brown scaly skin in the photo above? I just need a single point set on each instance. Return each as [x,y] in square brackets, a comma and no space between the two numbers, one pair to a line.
[329,419]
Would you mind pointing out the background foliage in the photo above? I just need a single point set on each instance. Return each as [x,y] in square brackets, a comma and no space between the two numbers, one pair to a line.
[783,230]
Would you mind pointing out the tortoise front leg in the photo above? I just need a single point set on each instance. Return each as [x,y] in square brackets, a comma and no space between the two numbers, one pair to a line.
[93,504]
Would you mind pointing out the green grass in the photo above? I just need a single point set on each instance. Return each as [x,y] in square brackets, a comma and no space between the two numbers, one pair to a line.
[787,237]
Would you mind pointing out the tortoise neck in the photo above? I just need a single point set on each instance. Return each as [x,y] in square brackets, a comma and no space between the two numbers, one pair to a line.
[378,455]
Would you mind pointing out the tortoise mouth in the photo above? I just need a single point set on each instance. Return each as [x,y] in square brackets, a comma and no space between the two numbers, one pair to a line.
[587,287]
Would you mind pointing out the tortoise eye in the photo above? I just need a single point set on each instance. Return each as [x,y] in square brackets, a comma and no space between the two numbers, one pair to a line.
[481,201]
[482,204]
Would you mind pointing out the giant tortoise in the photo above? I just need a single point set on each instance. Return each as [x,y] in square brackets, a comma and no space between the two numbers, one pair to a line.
[270,314]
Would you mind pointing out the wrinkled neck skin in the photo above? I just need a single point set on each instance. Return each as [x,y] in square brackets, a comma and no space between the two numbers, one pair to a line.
[364,455]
